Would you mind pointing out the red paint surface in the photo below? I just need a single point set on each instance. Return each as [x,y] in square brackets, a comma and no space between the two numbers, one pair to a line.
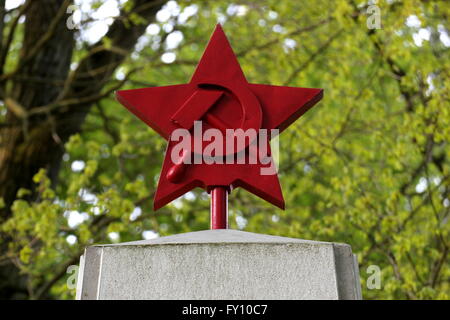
[219,96]
[219,208]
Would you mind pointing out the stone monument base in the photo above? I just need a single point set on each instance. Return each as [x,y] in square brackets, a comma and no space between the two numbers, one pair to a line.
[219,264]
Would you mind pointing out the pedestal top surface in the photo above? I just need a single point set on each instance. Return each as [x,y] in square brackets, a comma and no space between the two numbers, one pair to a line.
[220,236]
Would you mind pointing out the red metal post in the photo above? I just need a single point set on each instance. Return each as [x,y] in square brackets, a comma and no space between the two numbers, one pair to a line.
[217,84]
[219,208]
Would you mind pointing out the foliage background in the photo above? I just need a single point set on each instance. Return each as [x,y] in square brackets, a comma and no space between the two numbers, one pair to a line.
[368,166]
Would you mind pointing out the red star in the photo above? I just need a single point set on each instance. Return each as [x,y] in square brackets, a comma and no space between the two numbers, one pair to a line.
[220,96]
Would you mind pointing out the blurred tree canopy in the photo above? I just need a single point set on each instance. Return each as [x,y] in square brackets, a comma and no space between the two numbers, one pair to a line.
[369,165]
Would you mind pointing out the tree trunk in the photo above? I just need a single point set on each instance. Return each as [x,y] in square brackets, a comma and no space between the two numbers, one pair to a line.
[27,144]
[47,103]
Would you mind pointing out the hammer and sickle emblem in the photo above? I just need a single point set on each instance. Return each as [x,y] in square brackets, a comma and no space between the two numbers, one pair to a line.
[206,95]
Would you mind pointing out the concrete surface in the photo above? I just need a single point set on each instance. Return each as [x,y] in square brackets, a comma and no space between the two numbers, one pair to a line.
[219,264]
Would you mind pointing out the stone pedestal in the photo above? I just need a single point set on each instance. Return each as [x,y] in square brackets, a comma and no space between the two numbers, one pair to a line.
[219,264]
